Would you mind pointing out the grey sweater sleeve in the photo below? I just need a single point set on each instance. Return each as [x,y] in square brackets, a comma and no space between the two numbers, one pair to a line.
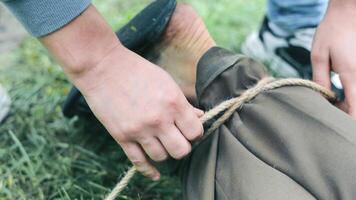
[41,17]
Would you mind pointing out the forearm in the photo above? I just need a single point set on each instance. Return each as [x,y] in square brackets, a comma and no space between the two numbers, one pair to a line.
[82,44]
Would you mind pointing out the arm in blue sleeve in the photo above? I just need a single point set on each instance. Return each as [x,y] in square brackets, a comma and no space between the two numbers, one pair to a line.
[42,17]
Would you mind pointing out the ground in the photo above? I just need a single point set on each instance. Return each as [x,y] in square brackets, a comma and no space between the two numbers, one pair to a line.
[46,156]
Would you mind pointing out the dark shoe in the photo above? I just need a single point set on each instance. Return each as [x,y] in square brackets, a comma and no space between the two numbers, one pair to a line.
[287,56]
[139,35]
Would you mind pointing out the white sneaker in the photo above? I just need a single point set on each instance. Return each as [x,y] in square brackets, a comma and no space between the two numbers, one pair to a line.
[287,56]
[5,103]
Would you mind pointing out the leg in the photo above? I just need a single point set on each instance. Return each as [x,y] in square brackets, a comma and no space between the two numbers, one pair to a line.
[285,38]
[289,16]
[288,143]
[184,42]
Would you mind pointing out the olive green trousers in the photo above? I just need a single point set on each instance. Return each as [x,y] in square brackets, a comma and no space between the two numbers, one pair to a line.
[288,143]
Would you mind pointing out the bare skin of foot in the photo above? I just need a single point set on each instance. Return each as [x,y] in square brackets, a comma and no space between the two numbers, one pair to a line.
[184,42]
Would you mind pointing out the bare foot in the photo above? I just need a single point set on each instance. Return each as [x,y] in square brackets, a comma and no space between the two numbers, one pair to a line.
[184,43]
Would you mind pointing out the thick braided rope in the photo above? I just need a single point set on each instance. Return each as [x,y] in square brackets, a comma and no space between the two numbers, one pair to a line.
[227,108]
[122,184]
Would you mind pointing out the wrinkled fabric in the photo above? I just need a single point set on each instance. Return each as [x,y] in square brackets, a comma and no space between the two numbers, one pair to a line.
[288,143]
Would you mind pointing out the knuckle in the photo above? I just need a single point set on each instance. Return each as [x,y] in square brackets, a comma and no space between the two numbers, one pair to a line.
[148,172]
[121,138]
[132,130]
[183,152]
[118,135]
[194,130]
[154,120]
[193,135]
[172,101]
[146,169]
[173,104]
[198,131]
[160,157]
[139,163]
[146,142]
[156,154]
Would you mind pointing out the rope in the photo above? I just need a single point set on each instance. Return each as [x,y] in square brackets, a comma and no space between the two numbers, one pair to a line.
[227,108]
[122,184]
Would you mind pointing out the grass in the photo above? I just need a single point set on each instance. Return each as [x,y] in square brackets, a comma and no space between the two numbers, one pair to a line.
[46,156]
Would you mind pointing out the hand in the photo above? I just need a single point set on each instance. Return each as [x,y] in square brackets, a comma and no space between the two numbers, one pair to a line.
[142,108]
[334,49]
[139,104]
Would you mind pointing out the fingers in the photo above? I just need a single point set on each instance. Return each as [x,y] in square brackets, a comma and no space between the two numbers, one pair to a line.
[325,56]
[349,84]
[320,58]
[342,106]
[198,112]
[189,123]
[154,149]
[173,139]
[175,143]
[139,160]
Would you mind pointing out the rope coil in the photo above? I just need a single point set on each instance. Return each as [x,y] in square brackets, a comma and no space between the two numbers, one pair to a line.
[227,108]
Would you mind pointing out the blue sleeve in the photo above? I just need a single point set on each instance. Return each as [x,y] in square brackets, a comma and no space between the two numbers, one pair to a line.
[41,17]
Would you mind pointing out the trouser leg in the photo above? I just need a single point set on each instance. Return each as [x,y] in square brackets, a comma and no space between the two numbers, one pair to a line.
[287,143]
[290,15]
